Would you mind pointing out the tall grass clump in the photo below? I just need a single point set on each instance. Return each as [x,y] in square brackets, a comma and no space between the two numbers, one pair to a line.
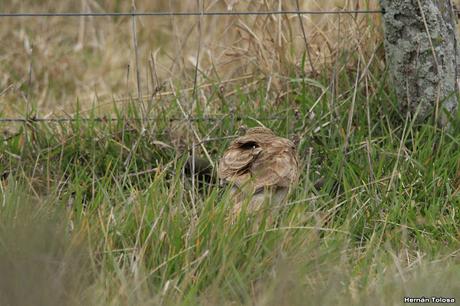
[382,223]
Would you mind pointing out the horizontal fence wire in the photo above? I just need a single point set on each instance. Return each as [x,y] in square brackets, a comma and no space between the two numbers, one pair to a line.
[105,119]
[229,13]
[166,14]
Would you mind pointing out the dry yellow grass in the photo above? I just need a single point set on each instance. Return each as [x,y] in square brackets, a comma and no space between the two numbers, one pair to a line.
[48,63]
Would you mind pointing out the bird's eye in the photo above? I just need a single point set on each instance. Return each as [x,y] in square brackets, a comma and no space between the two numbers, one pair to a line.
[249,145]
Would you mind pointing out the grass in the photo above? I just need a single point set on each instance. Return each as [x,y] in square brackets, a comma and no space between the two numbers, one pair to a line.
[103,212]
[51,63]
[114,196]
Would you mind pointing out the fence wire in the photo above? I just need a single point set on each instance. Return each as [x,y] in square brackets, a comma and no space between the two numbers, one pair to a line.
[166,14]
[103,119]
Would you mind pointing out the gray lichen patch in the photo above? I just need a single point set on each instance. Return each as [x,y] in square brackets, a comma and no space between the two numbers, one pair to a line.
[422,54]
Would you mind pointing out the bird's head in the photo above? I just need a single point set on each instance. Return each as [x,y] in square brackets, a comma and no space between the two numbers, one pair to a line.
[259,130]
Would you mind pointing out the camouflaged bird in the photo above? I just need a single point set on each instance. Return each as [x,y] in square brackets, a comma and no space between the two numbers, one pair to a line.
[260,165]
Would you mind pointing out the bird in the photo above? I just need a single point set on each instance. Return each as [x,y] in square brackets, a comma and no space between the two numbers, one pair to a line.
[259,166]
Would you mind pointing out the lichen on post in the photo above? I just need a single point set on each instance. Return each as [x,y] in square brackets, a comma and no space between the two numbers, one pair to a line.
[423,56]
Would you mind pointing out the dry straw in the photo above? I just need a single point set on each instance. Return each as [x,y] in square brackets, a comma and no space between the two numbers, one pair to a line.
[51,63]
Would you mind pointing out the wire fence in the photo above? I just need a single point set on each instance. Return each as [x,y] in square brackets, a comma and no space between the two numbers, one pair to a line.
[133,14]
[33,119]
[166,14]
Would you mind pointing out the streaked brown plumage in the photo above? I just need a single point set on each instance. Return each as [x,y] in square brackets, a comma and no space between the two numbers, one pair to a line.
[259,165]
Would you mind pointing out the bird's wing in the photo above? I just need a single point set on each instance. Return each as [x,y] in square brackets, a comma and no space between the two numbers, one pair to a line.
[277,165]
